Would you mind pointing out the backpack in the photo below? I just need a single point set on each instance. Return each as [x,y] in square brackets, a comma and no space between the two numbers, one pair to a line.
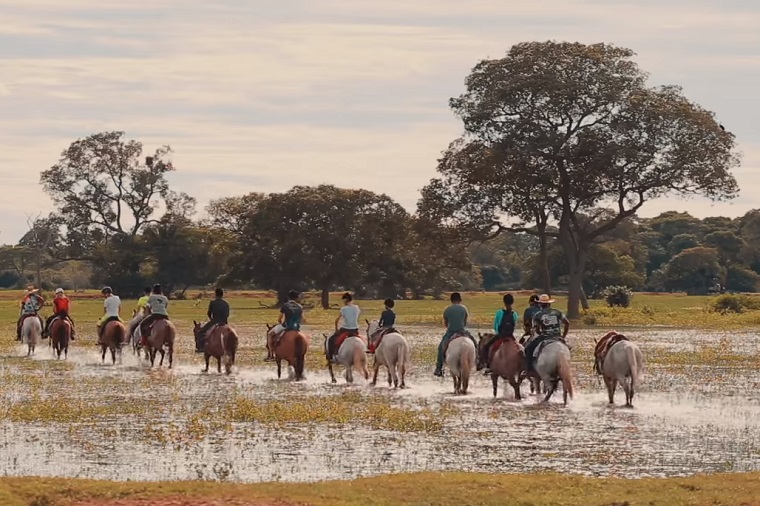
[507,325]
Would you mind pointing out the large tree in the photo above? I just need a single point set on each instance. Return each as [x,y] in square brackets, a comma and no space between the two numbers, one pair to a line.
[577,124]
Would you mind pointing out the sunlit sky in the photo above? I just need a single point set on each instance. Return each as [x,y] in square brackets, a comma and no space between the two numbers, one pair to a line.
[262,95]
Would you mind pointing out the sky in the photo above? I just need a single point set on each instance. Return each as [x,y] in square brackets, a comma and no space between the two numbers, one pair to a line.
[262,95]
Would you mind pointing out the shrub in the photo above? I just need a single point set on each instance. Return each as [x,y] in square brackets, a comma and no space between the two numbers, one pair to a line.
[729,303]
[617,296]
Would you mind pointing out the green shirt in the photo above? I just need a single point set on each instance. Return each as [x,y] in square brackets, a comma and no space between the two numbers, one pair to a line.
[456,315]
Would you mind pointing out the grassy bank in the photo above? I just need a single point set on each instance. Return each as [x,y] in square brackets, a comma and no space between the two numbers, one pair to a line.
[412,489]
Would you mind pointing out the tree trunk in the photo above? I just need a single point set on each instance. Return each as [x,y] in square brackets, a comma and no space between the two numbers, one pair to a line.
[325,297]
[544,258]
[576,261]
[584,299]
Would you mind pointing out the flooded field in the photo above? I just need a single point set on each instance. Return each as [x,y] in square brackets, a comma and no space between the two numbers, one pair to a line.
[698,410]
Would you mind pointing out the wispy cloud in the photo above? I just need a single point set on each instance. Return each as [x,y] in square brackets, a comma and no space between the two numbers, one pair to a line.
[258,96]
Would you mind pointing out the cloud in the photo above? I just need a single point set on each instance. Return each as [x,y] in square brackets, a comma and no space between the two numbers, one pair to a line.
[258,96]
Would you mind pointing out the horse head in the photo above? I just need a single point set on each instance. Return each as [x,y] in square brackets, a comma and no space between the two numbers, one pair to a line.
[372,327]
[196,327]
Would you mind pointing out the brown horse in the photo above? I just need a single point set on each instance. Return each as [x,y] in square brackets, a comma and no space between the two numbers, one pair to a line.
[162,334]
[60,335]
[114,336]
[292,348]
[221,342]
[507,361]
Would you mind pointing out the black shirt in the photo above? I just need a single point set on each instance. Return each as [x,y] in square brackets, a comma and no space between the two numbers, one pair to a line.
[218,311]
[388,318]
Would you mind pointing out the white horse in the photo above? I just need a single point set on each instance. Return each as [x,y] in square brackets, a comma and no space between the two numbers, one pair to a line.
[393,352]
[31,333]
[135,337]
[461,361]
[553,366]
[352,353]
[623,363]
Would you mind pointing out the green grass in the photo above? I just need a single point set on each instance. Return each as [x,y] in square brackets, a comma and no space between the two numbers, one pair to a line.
[444,489]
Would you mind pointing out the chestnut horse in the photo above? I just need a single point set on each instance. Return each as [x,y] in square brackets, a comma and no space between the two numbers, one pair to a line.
[507,362]
[162,334]
[291,347]
[220,342]
[60,335]
[114,336]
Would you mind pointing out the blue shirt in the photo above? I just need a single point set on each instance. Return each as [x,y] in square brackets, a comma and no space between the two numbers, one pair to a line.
[500,316]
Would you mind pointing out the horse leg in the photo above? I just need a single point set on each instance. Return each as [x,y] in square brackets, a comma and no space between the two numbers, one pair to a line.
[219,365]
[332,373]
[279,368]
[375,370]
[103,349]
[113,355]
[170,351]
[610,390]
[350,374]
[554,384]
[206,357]
[495,382]
[628,389]
[393,374]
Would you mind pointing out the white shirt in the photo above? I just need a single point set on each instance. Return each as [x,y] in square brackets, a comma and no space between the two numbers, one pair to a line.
[112,304]
[350,315]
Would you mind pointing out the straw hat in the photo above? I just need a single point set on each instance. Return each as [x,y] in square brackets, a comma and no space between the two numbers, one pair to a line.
[544,299]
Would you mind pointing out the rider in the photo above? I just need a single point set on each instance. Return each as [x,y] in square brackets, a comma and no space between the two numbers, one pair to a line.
[30,306]
[387,320]
[111,310]
[530,312]
[350,314]
[291,316]
[142,302]
[157,303]
[455,319]
[60,309]
[504,325]
[547,324]
[218,313]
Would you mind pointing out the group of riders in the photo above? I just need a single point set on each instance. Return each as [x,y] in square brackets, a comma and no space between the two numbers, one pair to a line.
[540,320]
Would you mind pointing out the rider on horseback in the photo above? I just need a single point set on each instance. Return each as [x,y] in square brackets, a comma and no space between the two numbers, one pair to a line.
[385,325]
[60,310]
[455,319]
[350,315]
[142,302]
[504,325]
[530,312]
[218,313]
[111,310]
[157,303]
[547,324]
[30,306]
[291,314]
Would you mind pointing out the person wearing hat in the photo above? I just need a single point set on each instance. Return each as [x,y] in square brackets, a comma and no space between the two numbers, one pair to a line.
[60,310]
[547,323]
[349,313]
[111,310]
[530,312]
[30,306]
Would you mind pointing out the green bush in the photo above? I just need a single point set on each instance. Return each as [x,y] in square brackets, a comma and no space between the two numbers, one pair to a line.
[617,296]
[729,303]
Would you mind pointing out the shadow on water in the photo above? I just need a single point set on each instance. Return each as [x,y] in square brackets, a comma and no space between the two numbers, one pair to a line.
[682,423]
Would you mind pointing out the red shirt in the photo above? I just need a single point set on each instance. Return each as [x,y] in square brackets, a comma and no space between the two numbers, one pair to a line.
[61,305]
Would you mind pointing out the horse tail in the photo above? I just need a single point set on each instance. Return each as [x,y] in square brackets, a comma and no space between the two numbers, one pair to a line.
[403,355]
[120,332]
[634,365]
[467,361]
[563,371]
[299,350]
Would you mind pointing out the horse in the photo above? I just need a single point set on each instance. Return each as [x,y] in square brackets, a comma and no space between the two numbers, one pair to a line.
[461,360]
[553,366]
[393,352]
[60,335]
[162,334]
[114,336]
[351,353]
[619,360]
[507,362]
[31,333]
[137,317]
[537,387]
[221,342]
[291,347]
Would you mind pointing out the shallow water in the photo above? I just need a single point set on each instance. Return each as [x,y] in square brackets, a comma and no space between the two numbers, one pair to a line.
[688,418]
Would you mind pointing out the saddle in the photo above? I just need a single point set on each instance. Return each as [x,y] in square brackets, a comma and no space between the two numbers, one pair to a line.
[548,340]
[603,347]
[455,336]
[343,336]
[496,345]
[377,337]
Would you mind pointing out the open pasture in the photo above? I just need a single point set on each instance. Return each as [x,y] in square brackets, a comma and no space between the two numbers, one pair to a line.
[697,410]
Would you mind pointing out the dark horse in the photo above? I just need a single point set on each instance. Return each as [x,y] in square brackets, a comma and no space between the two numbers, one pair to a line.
[60,335]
